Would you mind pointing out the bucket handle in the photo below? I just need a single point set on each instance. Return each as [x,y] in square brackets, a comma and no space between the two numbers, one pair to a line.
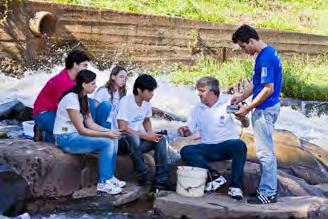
[190,187]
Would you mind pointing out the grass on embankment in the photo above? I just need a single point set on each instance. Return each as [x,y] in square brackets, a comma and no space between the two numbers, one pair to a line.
[307,16]
[303,78]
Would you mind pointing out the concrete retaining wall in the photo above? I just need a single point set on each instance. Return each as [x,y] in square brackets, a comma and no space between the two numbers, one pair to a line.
[108,35]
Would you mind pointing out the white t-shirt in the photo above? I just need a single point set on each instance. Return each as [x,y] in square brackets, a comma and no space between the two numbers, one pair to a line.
[63,123]
[132,113]
[213,123]
[101,95]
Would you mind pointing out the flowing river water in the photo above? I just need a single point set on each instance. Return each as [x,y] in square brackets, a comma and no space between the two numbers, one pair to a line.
[176,99]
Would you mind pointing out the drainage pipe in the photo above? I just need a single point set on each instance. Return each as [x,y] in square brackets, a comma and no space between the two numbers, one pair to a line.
[43,24]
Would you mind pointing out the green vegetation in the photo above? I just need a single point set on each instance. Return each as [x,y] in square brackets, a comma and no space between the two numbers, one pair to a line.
[303,77]
[306,78]
[307,16]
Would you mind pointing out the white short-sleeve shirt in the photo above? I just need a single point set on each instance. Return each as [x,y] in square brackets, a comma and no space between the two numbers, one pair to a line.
[130,112]
[101,95]
[63,123]
[213,123]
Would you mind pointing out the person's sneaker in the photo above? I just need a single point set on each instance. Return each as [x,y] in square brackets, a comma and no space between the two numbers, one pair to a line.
[37,133]
[261,199]
[116,182]
[256,193]
[108,188]
[215,184]
[235,193]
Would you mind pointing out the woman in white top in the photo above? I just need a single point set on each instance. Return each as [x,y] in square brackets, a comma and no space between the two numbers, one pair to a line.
[107,98]
[76,132]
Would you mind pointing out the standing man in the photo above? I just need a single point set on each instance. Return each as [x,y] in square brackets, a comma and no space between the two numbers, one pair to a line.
[45,105]
[265,89]
[134,114]
[219,138]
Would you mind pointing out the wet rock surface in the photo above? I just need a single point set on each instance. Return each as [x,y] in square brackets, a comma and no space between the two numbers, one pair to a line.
[13,191]
[48,171]
[64,181]
[215,205]
[15,110]
[88,199]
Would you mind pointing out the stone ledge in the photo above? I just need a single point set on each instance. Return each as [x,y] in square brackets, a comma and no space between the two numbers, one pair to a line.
[215,205]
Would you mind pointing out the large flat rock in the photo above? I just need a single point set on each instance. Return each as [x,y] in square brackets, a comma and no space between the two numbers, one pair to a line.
[87,198]
[49,172]
[173,205]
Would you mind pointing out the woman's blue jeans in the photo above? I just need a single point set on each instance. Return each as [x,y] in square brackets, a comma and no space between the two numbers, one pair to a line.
[46,120]
[100,113]
[75,143]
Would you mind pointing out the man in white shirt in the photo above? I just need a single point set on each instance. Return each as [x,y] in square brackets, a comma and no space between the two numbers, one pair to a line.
[134,112]
[219,137]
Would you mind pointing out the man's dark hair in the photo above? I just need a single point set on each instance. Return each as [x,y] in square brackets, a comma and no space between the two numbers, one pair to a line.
[244,33]
[144,82]
[75,56]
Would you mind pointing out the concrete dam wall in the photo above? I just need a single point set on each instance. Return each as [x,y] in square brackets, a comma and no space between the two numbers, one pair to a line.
[36,32]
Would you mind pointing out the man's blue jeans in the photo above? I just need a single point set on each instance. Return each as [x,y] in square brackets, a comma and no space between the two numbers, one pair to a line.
[75,143]
[136,147]
[263,125]
[200,154]
[45,121]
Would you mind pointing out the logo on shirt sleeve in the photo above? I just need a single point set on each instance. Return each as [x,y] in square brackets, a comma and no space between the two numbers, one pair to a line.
[264,72]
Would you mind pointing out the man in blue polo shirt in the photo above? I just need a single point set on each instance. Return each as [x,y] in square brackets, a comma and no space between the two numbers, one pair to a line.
[266,88]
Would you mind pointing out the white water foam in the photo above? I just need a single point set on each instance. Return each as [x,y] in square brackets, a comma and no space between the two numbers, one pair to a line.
[177,99]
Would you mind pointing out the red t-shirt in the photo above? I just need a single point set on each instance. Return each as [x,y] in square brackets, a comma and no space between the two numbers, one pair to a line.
[52,92]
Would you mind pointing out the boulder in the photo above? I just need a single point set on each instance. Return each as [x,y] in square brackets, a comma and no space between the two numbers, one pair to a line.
[88,200]
[48,171]
[13,191]
[15,110]
[288,185]
[304,159]
[161,114]
[173,205]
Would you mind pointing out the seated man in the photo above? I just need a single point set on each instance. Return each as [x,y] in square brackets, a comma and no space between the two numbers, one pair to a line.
[45,105]
[219,138]
[135,111]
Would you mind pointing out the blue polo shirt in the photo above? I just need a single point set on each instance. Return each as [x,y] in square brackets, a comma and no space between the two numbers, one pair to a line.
[267,69]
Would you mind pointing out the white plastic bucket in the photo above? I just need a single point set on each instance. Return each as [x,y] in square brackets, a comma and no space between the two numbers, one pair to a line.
[28,128]
[191,181]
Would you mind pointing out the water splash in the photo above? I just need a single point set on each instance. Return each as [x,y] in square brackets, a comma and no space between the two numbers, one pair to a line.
[177,99]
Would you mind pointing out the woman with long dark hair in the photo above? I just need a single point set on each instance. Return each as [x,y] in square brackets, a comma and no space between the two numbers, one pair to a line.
[76,132]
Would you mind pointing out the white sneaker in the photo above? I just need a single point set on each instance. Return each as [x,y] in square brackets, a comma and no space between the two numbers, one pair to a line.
[116,182]
[235,193]
[108,188]
[215,184]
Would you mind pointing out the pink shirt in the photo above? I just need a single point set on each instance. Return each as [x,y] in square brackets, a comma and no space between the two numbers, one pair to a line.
[52,92]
